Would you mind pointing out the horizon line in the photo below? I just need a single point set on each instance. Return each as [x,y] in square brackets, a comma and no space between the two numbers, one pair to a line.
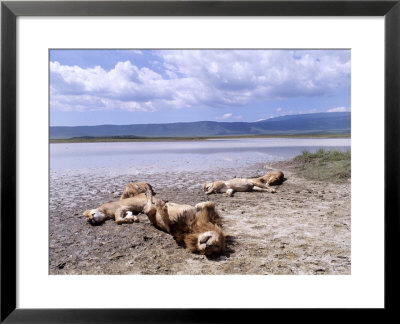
[212,121]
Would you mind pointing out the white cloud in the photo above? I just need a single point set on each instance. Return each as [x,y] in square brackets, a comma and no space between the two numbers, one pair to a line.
[242,75]
[224,116]
[125,87]
[260,119]
[279,109]
[213,78]
[339,109]
[229,115]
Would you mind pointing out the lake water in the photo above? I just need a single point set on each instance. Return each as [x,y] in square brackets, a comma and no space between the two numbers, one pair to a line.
[136,157]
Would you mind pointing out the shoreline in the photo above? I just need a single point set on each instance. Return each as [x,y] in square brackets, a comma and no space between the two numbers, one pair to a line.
[192,138]
[304,228]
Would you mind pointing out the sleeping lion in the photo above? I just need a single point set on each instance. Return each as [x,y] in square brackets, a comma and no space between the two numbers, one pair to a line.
[122,211]
[272,178]
[244,184]
[135,188]
[237,184]
[195,227]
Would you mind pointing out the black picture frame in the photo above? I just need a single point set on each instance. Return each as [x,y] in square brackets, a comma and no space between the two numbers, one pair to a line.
[10,10]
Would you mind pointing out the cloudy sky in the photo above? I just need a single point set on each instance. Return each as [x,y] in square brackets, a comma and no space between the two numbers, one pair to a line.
[94,87]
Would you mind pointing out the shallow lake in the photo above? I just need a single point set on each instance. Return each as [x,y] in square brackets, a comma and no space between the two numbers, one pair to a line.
[149,157]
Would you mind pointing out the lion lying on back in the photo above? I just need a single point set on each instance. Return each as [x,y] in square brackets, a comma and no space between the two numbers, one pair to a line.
[243,184]
[121,210]
[132,201]
[195,227]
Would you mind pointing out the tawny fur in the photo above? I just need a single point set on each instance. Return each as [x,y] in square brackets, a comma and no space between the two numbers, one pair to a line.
[122,210]
[237,184]
[135,188]
[272,178]
[195,227]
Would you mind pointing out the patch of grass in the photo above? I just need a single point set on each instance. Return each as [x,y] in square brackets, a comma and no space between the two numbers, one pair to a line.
[324,165]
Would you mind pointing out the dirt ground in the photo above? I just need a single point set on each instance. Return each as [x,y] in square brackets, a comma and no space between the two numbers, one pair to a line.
[304,228]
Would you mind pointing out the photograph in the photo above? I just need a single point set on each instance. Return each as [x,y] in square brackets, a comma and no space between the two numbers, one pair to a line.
[148,147]
[199,161]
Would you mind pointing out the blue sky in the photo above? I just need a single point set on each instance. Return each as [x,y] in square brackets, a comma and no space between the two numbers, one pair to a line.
[95,87]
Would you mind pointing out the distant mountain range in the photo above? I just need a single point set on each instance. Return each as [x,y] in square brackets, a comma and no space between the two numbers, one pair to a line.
[318,123]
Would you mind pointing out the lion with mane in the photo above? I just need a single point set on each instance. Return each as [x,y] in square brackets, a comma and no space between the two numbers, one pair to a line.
[198,228]
[272,178]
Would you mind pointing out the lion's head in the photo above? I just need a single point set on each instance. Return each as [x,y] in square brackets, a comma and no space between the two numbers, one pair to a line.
[207,186]
[210,243]
[94,216]
[274,180]
[273,177]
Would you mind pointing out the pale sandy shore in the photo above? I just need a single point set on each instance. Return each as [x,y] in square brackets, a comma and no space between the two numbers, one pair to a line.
[304,228]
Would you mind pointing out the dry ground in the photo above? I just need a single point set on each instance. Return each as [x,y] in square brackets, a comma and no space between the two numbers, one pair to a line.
[304,228]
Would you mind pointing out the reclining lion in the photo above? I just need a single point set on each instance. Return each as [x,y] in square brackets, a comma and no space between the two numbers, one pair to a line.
[121,210]
[272,178]
[245,184]
[237,184]
[195,227]
[135,188]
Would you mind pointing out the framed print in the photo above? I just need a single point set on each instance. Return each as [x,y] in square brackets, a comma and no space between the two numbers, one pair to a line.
[147,154]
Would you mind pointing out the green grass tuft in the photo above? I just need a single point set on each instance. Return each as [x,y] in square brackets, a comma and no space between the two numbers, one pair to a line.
[330,165]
